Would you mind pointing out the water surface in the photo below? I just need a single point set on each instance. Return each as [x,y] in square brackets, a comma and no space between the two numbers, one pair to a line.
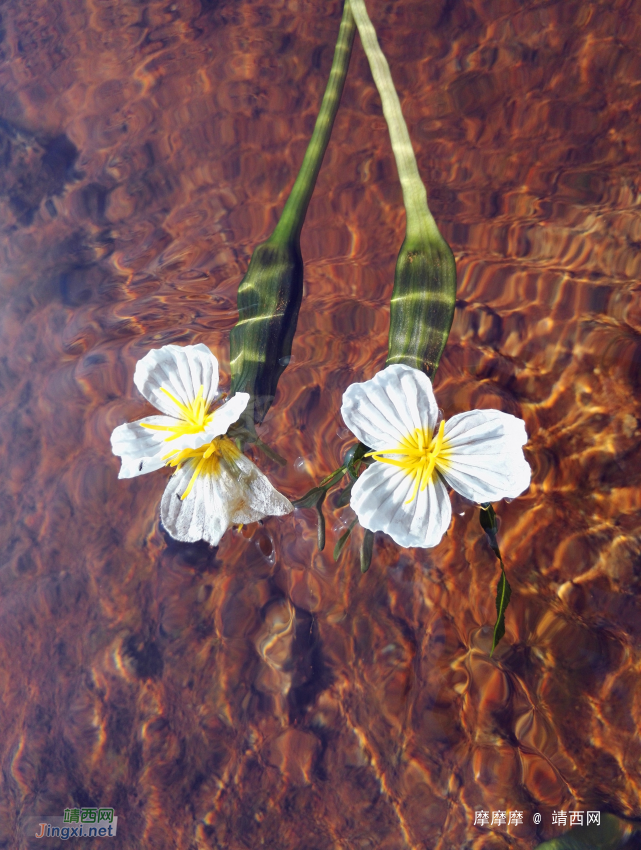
[261,694]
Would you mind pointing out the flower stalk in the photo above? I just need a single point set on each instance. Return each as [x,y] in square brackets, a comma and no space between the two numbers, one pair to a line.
[269,296]
[424,294]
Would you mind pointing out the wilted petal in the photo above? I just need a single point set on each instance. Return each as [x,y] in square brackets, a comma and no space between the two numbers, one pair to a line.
[181,370]
[394,403]
[261,499]
[484,459]
[236,493]
[141,449]
[379,499]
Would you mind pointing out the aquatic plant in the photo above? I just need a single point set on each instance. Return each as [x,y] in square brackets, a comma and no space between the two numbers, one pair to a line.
[421,312]
[214,485]
[269,296]
[424,292]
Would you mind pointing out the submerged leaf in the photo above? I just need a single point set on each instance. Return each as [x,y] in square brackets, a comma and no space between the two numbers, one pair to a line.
[246,434]
[321,522]
[355,458]
[503,593]
[342,540]
[314,499]
[310,499]
[490,525]
[345,495]
[367,547]
[332,478]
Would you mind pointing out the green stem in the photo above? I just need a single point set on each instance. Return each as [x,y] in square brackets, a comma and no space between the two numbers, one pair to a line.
[270,294]
[293,215]
[420,222]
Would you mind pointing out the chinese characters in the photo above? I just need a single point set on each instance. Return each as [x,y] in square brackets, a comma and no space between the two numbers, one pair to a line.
[559,818]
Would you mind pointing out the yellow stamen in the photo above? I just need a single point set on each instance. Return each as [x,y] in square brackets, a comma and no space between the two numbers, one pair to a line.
[419,454]
[208,459]
[194,417]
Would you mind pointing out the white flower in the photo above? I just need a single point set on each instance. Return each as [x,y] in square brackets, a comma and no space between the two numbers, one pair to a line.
[214,485]
[404,492]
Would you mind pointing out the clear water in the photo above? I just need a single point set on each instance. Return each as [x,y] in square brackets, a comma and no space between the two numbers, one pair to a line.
[260,694]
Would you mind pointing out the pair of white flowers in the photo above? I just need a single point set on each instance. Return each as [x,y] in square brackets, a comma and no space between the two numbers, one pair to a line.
[403,492]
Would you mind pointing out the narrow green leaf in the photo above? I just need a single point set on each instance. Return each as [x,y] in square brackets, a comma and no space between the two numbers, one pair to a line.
[271,454]
[321,523]
[243,433]
[367,547]
[490,526]
[310,499]
[503,593]
[357,459]
[332,478]
[342,540]
[345,495]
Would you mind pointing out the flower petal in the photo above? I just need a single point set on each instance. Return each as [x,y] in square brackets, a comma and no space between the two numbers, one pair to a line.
[141,449]
[484,459]
[225,416]
[379,498]
[181,370]
[392,405]
[261,498]
[216,501]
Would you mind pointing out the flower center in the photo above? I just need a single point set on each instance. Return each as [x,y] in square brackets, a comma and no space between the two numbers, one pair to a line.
[207,459]
[417,454]
[194,417]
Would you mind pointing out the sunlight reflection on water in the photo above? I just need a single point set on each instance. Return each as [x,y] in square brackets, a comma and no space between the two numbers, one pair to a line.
[261,693]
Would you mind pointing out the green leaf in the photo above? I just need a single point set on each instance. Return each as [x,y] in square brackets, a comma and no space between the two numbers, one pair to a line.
[490,526]
[503,593]
[367,547]
[345,495]
[271,454]
[310,499]
[355,458]
[321,524]
[332,478]
[342,540]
